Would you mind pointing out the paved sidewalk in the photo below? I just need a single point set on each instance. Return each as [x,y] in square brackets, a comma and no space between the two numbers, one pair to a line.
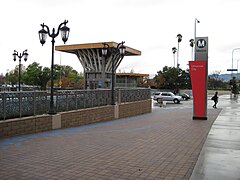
[220,156]
[164,144]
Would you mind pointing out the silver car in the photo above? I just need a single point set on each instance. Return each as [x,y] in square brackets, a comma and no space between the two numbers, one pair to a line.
[166,96]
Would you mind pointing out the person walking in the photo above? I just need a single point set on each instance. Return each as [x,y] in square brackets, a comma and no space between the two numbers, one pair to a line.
[215,99]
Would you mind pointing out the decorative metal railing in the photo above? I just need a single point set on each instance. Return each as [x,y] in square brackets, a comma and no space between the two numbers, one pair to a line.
[25,103]
[129,95]
[79,99]
[28,103]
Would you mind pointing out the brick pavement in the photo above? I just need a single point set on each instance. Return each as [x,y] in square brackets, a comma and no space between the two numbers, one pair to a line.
[164,144]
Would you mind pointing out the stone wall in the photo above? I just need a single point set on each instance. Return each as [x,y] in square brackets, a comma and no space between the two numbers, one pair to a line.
[35,124]
[86,116]
[27,125]
[135,108]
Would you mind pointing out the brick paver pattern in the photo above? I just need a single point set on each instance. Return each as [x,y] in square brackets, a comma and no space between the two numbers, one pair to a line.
[164,144]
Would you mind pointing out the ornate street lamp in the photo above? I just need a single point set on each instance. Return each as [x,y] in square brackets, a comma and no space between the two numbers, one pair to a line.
[174,50]
[235,49]
[24,54]
[179,36]
[195,28]
[107,50]
[192,45]
[64,30]
[195,33]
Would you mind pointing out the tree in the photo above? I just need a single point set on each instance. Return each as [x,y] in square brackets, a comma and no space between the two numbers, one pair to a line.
[2,79]
[65,82]
[69,77]
[12,76]
[36,75]
[172,78]
[174,50]
[215,75]
[152,83]
[66,70]
[234,88]
[44,77]
[179,37]
[142,82]
[57,70]
[215,82]
[184,79]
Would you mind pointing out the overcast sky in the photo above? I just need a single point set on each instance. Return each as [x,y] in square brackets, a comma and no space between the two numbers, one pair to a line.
[150,26]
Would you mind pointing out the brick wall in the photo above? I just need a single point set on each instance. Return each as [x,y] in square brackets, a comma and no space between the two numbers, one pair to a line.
[26,125]
[135,108]
[87,116]
[35,124]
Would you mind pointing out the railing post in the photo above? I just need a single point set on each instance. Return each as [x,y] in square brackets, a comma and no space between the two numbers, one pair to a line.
[20,104]
[92,98]
[98,95]
[67,100]
[57,101]
[46,95]
[34,103]
[119,96]
[4,106]
[84,99]
[76,105]
[110,96]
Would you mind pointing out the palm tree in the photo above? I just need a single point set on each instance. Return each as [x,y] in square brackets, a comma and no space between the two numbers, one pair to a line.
[192,44]
[179,36]
[174,50]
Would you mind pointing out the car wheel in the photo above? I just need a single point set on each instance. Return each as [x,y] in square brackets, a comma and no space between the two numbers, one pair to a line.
[176,101]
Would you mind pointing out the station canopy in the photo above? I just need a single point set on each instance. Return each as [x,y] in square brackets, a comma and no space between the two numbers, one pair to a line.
[74,48]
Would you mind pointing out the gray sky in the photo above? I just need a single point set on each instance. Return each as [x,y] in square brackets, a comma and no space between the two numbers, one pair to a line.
[150,26]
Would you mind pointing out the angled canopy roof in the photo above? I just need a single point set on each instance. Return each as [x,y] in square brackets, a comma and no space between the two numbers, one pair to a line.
[74,47]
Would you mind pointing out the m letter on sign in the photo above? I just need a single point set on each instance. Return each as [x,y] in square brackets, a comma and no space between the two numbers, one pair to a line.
[201,43]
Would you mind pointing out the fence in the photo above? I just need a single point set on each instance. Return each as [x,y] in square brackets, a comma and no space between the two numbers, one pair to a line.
[28,103]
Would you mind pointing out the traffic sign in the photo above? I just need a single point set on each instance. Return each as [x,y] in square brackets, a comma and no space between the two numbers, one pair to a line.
[201,43]
[201,48]
[231,69]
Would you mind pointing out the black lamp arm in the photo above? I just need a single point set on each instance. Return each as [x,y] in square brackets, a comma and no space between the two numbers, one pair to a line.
[48,31]
[59,27]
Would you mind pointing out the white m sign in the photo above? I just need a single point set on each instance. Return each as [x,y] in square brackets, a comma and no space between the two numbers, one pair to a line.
[201,43]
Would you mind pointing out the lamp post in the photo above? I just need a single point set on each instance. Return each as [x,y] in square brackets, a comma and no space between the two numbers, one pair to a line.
[60,73]
[179,36]
[195,29]
[237,68]
[112,52]
[20,55]
[42,37]
[232,58]
[192,44]
[174,50]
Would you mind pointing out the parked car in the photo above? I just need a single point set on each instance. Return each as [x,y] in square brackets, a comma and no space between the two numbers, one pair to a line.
[185,96]
[166,96]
